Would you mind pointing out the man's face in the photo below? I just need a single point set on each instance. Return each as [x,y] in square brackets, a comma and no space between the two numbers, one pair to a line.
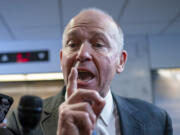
[89,44]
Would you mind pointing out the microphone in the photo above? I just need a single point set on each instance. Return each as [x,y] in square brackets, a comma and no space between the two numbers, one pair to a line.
[29,112]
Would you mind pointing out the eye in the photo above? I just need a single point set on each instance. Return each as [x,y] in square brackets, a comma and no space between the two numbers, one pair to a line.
[98,45]
[72,44]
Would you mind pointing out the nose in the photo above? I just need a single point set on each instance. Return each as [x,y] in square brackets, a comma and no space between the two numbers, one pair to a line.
[84,53]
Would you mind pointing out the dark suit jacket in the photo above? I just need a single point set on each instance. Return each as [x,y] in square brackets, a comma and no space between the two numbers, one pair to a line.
[136,117]
[5,131]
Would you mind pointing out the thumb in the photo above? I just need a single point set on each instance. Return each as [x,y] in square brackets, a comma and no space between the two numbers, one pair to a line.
[72,82]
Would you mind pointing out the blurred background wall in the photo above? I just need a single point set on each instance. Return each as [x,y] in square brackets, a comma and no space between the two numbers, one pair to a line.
[152,40]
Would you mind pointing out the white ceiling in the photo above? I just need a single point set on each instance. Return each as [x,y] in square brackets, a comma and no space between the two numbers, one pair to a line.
[45,19]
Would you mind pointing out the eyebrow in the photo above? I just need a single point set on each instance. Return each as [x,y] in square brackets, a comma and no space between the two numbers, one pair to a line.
[101,36]
[72,33]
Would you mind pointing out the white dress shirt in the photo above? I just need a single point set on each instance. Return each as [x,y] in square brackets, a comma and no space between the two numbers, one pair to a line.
[108,122]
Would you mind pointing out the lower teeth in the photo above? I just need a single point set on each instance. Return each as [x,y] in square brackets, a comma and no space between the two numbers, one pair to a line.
[85,79]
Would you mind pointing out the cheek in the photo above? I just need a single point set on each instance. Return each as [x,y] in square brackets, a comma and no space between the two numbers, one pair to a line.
[66,63]
[67,59]
[108,60]
[107,67]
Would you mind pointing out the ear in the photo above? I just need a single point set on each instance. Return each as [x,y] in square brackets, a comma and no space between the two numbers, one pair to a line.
[122,62]
[60,56]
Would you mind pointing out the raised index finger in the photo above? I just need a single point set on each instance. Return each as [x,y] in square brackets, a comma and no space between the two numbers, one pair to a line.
[72,81]
[90,96]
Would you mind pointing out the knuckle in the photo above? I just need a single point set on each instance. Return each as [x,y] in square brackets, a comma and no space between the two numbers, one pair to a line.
[80,91]
[88,128]
[86,106]
[61,107]
[85,115]
[63,111]
[71,78]
[95,93]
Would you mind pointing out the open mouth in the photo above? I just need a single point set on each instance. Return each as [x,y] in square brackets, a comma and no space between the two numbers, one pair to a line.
[85,75]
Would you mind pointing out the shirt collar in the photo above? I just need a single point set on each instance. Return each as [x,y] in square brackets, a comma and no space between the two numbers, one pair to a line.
[107,111]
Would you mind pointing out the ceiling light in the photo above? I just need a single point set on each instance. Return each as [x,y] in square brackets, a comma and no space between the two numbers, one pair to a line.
[31,77]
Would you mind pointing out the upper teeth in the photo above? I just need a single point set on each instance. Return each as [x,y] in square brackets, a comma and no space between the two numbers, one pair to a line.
[82,71]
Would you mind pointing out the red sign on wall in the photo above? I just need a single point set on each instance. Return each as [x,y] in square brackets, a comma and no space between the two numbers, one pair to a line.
[23,57]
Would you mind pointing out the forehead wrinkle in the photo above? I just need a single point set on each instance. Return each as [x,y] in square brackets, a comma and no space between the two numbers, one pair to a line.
[100,31]
[85,25]
[77,33]
[92,34]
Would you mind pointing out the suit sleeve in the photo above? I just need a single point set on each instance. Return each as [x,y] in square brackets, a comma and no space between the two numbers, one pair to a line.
[168,127]
[13,124]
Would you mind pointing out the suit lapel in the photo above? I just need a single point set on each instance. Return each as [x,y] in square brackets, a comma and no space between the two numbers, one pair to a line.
[49,124]
[49,118]
[129,118]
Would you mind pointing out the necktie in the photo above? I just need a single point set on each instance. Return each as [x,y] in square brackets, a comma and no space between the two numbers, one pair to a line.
[94,132]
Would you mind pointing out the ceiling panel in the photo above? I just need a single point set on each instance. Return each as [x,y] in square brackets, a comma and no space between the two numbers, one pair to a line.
[22,13]
[71,8]
[38,33]
[142,28]
[174,28]
[151,11]
[178,19]
[35,19]
[45,19]
[4,35]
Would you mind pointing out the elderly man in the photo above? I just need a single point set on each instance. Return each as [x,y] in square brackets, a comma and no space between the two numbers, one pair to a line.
[92,54]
